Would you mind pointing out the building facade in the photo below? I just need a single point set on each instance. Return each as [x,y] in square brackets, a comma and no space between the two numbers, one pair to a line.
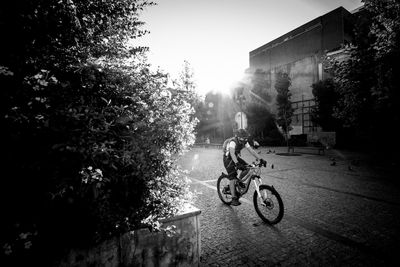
[300,53]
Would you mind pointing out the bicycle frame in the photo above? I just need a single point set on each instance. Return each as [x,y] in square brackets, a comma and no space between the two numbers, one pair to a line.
[264,195]
[253,174]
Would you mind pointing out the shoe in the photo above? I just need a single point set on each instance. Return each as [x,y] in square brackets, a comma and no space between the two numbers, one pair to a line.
[235,202]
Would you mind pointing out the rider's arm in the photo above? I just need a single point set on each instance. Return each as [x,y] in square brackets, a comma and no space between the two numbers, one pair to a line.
[252,152]
[231,147]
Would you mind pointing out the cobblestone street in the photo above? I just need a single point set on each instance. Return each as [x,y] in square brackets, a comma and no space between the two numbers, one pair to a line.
[341,215]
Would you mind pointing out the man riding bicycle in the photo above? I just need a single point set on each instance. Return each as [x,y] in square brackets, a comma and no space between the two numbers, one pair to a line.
[233,161]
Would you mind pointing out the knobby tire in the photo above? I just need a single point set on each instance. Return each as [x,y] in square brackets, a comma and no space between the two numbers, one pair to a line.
[271,191]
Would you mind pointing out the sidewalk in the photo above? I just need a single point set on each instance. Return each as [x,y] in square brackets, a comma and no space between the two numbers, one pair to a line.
[334,215]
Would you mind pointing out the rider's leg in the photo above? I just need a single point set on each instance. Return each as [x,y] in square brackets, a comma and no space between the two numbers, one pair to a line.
[235,199]
[232,188]
[244,172]
[232,174]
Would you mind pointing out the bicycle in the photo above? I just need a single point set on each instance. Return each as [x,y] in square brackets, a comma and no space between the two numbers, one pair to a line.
[267,201]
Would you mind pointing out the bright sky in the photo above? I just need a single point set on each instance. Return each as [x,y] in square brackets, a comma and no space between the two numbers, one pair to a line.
[216,36]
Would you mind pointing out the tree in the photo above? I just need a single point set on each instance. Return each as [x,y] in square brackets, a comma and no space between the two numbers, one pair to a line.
[186,77]
[259,120]
[64,33]
[369,79]
[284,105]
[385,34]
[326,100]
[258,106]
[186,86]
[91,133]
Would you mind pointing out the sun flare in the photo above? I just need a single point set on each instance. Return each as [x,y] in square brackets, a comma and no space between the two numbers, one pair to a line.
[217,77]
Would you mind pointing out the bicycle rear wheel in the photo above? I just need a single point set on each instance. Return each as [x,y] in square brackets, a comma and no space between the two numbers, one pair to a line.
[270,207]
[224,190]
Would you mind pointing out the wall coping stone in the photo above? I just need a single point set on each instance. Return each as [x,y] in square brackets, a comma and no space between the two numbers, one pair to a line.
[188,211]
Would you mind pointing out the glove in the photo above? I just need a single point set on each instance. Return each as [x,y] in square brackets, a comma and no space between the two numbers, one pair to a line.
[263,162]
[256,144]
[240,166]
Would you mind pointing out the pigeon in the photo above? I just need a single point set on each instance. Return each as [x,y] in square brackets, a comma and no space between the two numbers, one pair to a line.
[272,166]
[333,163]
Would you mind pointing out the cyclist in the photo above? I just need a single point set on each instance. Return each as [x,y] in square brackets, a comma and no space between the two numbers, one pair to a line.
[232,160]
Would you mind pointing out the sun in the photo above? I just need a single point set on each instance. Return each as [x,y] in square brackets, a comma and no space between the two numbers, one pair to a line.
[216,78]
[213,70]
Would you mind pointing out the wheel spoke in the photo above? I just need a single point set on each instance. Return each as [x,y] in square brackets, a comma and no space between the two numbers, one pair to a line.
[270,207]
[223,187]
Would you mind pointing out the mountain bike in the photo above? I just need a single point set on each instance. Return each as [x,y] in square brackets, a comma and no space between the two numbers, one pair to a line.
[267,201]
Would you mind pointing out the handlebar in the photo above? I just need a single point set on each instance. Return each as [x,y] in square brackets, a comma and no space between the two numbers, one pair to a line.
[253,165]
[257,164]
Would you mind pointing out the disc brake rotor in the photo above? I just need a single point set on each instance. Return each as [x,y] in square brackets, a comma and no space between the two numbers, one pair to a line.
[268,203]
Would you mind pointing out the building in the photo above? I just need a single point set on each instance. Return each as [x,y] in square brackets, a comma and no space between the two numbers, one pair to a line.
[300,53]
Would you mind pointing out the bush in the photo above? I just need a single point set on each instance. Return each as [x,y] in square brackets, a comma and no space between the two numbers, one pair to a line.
[92,155]
[90,138]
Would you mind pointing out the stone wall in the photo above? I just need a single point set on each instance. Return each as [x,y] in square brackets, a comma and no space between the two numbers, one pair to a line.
[145,248]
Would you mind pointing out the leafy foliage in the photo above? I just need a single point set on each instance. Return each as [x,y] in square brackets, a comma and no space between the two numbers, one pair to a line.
[284,105]
[262,126]
[186,77]
[91,134]
[369,79]
[326,99]
[186,85]
[258,105]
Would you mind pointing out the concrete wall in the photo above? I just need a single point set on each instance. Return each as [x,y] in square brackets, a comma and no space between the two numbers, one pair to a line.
[145,248]
[322,34]
[289,50]
[299,53]
[302,73]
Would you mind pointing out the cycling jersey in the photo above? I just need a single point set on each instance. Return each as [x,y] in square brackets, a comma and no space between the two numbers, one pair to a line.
[235,144]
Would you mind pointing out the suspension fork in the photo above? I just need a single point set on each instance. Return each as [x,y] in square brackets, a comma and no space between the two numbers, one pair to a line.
[256,185]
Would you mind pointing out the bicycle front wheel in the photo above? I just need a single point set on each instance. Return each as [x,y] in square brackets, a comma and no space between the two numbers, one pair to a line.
[224,190]
[270,206]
